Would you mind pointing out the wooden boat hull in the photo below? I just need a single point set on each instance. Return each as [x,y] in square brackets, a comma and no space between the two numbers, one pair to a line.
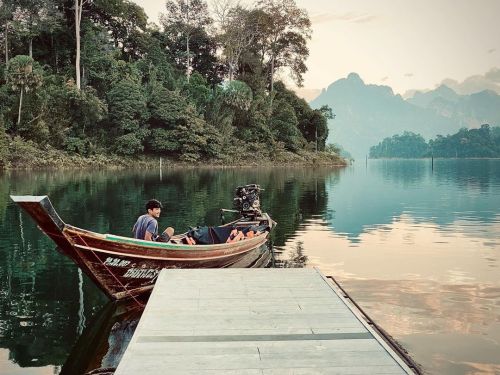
[125,267]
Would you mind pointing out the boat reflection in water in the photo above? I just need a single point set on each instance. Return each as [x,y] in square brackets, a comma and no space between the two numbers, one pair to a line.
[102,344]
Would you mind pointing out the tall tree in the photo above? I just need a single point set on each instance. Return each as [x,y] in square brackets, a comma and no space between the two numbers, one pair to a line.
[125,21]
[238,30]
[6,41]
[185,17]
[283,38]
[30,18]
[26,19]
[203,59]
[283,124]
[23,75]
[127,111]
[6,9]
[78,22]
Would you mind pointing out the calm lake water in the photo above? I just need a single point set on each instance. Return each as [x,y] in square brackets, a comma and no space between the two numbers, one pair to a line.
[419,250]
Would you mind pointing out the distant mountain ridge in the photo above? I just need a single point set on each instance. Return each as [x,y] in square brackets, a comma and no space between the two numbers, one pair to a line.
[366,114]
[467,110]
[423,99]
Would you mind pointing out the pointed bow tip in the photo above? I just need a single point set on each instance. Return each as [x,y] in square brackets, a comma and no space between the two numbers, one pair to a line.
[27,198]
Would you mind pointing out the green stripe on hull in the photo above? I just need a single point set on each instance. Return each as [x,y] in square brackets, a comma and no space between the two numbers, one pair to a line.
[136,241]
[169,245]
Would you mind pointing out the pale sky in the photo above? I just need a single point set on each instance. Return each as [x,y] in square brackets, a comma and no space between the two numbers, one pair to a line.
[405,44]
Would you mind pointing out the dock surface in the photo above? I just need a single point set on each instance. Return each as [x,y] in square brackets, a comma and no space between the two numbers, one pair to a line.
[253,321]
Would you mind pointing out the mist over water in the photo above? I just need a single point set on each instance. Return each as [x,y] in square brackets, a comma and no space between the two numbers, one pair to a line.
[418,248]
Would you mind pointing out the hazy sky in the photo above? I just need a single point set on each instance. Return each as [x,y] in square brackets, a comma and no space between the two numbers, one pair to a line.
[406,44]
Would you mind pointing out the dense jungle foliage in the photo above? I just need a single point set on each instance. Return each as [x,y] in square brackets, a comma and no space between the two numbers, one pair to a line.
[483,142]
[94,77]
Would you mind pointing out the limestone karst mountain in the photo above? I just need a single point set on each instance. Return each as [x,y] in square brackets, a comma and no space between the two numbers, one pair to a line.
[366,114]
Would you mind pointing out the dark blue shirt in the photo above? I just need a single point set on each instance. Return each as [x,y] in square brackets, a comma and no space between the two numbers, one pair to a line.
[145,223]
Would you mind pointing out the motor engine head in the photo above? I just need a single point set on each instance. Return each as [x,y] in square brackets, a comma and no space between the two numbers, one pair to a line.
[247,200]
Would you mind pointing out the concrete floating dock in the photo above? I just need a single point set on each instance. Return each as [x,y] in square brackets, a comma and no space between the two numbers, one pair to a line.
[253,321]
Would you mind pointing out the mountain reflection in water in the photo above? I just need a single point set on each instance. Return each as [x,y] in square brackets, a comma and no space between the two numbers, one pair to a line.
[420,251]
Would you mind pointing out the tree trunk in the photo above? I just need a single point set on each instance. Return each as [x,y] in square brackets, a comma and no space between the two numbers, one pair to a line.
[272,88]
[6,44]
[188,31]
[316,137]
[78,16]
[272,74]
[31,48]
[188,62]
[54,52]
[20,106]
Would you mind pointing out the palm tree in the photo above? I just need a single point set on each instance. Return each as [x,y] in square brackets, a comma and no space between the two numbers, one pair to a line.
[23,74]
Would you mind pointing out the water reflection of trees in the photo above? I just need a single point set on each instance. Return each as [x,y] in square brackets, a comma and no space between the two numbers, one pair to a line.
[402,172]
[110,202]
[295,258]
[469,174]
[376,195]
[40,300]
[476,174]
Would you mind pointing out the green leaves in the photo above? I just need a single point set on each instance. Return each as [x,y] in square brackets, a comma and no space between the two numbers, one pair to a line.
[237,94]
[406,145]
[128,144]
[3,144]
[285,31]
[127,105]
[24,73]
[165,107]
[135,94]
[163,141]
[283,124]
[196,137]
[127,114]
[483,142]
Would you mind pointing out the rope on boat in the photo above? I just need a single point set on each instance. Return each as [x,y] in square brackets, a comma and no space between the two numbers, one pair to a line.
[52,233]
[111,273]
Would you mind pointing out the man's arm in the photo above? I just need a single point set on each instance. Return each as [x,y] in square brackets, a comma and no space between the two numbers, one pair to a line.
[151,231]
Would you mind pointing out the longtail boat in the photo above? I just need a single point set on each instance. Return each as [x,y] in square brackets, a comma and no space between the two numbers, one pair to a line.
[126,267]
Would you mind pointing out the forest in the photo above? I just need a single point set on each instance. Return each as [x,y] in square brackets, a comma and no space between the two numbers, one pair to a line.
[95,77]
[483,142]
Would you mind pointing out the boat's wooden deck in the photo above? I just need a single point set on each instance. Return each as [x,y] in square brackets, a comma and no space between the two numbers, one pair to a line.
[253,321]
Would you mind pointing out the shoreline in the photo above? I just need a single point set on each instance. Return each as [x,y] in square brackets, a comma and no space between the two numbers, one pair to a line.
[28,157]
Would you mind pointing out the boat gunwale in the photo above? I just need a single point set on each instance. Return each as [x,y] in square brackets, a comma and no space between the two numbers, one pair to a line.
[71,230]
[116,253]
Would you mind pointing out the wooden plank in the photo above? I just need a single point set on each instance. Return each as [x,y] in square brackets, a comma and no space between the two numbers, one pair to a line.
[253,321]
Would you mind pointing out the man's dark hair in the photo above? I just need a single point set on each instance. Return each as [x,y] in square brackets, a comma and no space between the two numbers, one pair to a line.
[153,203]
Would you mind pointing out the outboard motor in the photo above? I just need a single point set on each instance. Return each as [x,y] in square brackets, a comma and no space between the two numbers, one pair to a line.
[247,201]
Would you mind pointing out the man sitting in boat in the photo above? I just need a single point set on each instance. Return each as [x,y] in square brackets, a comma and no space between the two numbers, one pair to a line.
[146,226]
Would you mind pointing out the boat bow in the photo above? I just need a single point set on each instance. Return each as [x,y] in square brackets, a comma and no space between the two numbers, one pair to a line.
[126,267]
[41,210]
